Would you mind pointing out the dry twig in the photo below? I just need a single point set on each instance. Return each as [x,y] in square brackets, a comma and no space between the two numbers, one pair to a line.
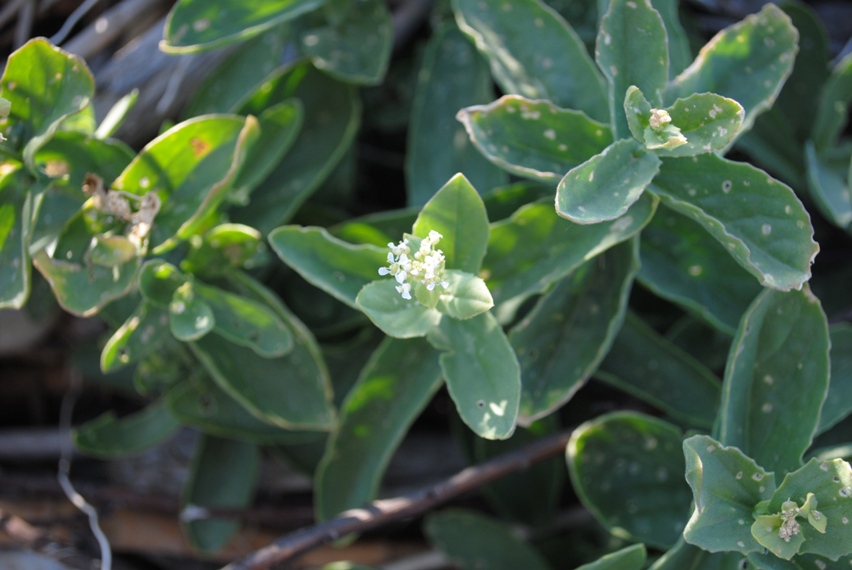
[384,511]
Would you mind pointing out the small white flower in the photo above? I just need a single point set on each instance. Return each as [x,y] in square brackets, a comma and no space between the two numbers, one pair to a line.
[426,266]
[404,290]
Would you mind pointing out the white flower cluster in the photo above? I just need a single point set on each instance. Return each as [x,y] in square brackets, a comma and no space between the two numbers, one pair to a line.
[426,266]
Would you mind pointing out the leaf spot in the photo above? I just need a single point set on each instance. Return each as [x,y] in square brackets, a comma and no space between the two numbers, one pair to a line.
[726,186]
[550,134]
[766,408]
[201,25]
[757,476]
[768,380]
[199,147]
[739,475]
[766,229]
[741,544]
[824,466]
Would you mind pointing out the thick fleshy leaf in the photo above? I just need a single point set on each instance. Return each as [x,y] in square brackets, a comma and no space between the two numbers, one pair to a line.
[158,282]
[563,339]
[267,386]
[228,85]
[833,109]
[768,561]
[606,185]
[279,126]
[772,143]
[482,373]
[726,485]
[681,262]
[630,558]
[199,402]
[781,346]
[684,555]
[191,167]
[831,484]
[108,436]
[81,287]
[246,322]
[632,49]
[339,268]
[45,86]
[111,251]
[627,469]
[223,248]
[452,76]
[198,25]
[397,317]
[465,297]
[838,402]
[393,388]
[357,49]
[708,121]
[223,474]
[799,100]
[534,139]
[75,154]
[534,53]
[16,210]
[476,541]
[457,212]
[680,54]
[143,332]
[331,118]
[190,317]
[829,183]
[747,62]
[535,247]
[282,391]
[116,115]
[758,219]
[651,368]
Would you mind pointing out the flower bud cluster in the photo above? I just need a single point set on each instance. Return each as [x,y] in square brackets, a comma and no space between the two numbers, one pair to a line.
[789,525]
[426,266]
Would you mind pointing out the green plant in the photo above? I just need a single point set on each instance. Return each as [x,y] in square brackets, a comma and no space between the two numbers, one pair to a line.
[515,296]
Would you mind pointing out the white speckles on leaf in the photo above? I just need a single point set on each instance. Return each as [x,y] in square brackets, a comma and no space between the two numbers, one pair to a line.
[550,134]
